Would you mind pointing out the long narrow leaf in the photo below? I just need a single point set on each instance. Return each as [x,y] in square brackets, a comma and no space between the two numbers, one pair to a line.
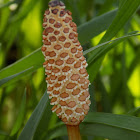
[5,80]
[116,127]
[35,60]
[20,117]
[101,46]
[95,26]
[103,50]
[125,12]
[107,125]
[42,129]
[31,126]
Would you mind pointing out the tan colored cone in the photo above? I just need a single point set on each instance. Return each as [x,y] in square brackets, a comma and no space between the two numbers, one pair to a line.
[65,65]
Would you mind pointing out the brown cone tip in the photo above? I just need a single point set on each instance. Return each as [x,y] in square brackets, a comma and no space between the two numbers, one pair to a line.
[65,65]
[54,3]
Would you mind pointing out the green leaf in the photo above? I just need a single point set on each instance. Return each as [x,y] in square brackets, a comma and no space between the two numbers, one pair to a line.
[31,126]
[123,15]
[121,2]
[95,26]
[20,118]
[125,12]
[116,127]
[107,125]
[134,111]
[36,59]
[42,130]
[104,48]
[5,80]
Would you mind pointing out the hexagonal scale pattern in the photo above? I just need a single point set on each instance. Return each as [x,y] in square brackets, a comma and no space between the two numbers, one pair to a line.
[65,65]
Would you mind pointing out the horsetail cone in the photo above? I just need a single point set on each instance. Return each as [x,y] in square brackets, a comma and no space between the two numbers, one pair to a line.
[65,65]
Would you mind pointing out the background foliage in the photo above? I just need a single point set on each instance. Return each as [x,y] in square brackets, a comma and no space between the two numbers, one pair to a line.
[114,69]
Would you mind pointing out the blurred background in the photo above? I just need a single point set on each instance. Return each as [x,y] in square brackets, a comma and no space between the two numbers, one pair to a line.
[116,88]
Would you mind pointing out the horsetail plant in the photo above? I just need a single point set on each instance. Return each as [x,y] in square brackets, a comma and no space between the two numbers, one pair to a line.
[65,67]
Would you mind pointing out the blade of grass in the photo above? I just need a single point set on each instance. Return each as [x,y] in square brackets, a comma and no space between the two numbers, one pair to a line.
[116,127]
[105,43]
[103,50]
[20,118]
[31,126]
[24,63]
[95,26]
[122,121]
[42,129]
[134,111]
[108,47]
[5,80]
[107,125]
[124,13]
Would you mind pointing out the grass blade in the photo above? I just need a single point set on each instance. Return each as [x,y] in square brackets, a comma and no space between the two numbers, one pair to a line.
[95,26]
[125,12]
[42,129]
[134,111]
[30,127]
[23,64]
[116,127]
[5,80]
[107,125]
[104,48]
[111,41]
[20,117]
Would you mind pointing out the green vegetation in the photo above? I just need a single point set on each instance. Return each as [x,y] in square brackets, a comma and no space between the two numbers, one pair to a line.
[109,33]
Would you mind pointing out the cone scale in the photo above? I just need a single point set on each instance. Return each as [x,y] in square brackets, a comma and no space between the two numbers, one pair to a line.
[65,65]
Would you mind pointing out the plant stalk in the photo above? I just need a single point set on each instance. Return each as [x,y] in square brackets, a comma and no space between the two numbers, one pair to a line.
[73,132]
